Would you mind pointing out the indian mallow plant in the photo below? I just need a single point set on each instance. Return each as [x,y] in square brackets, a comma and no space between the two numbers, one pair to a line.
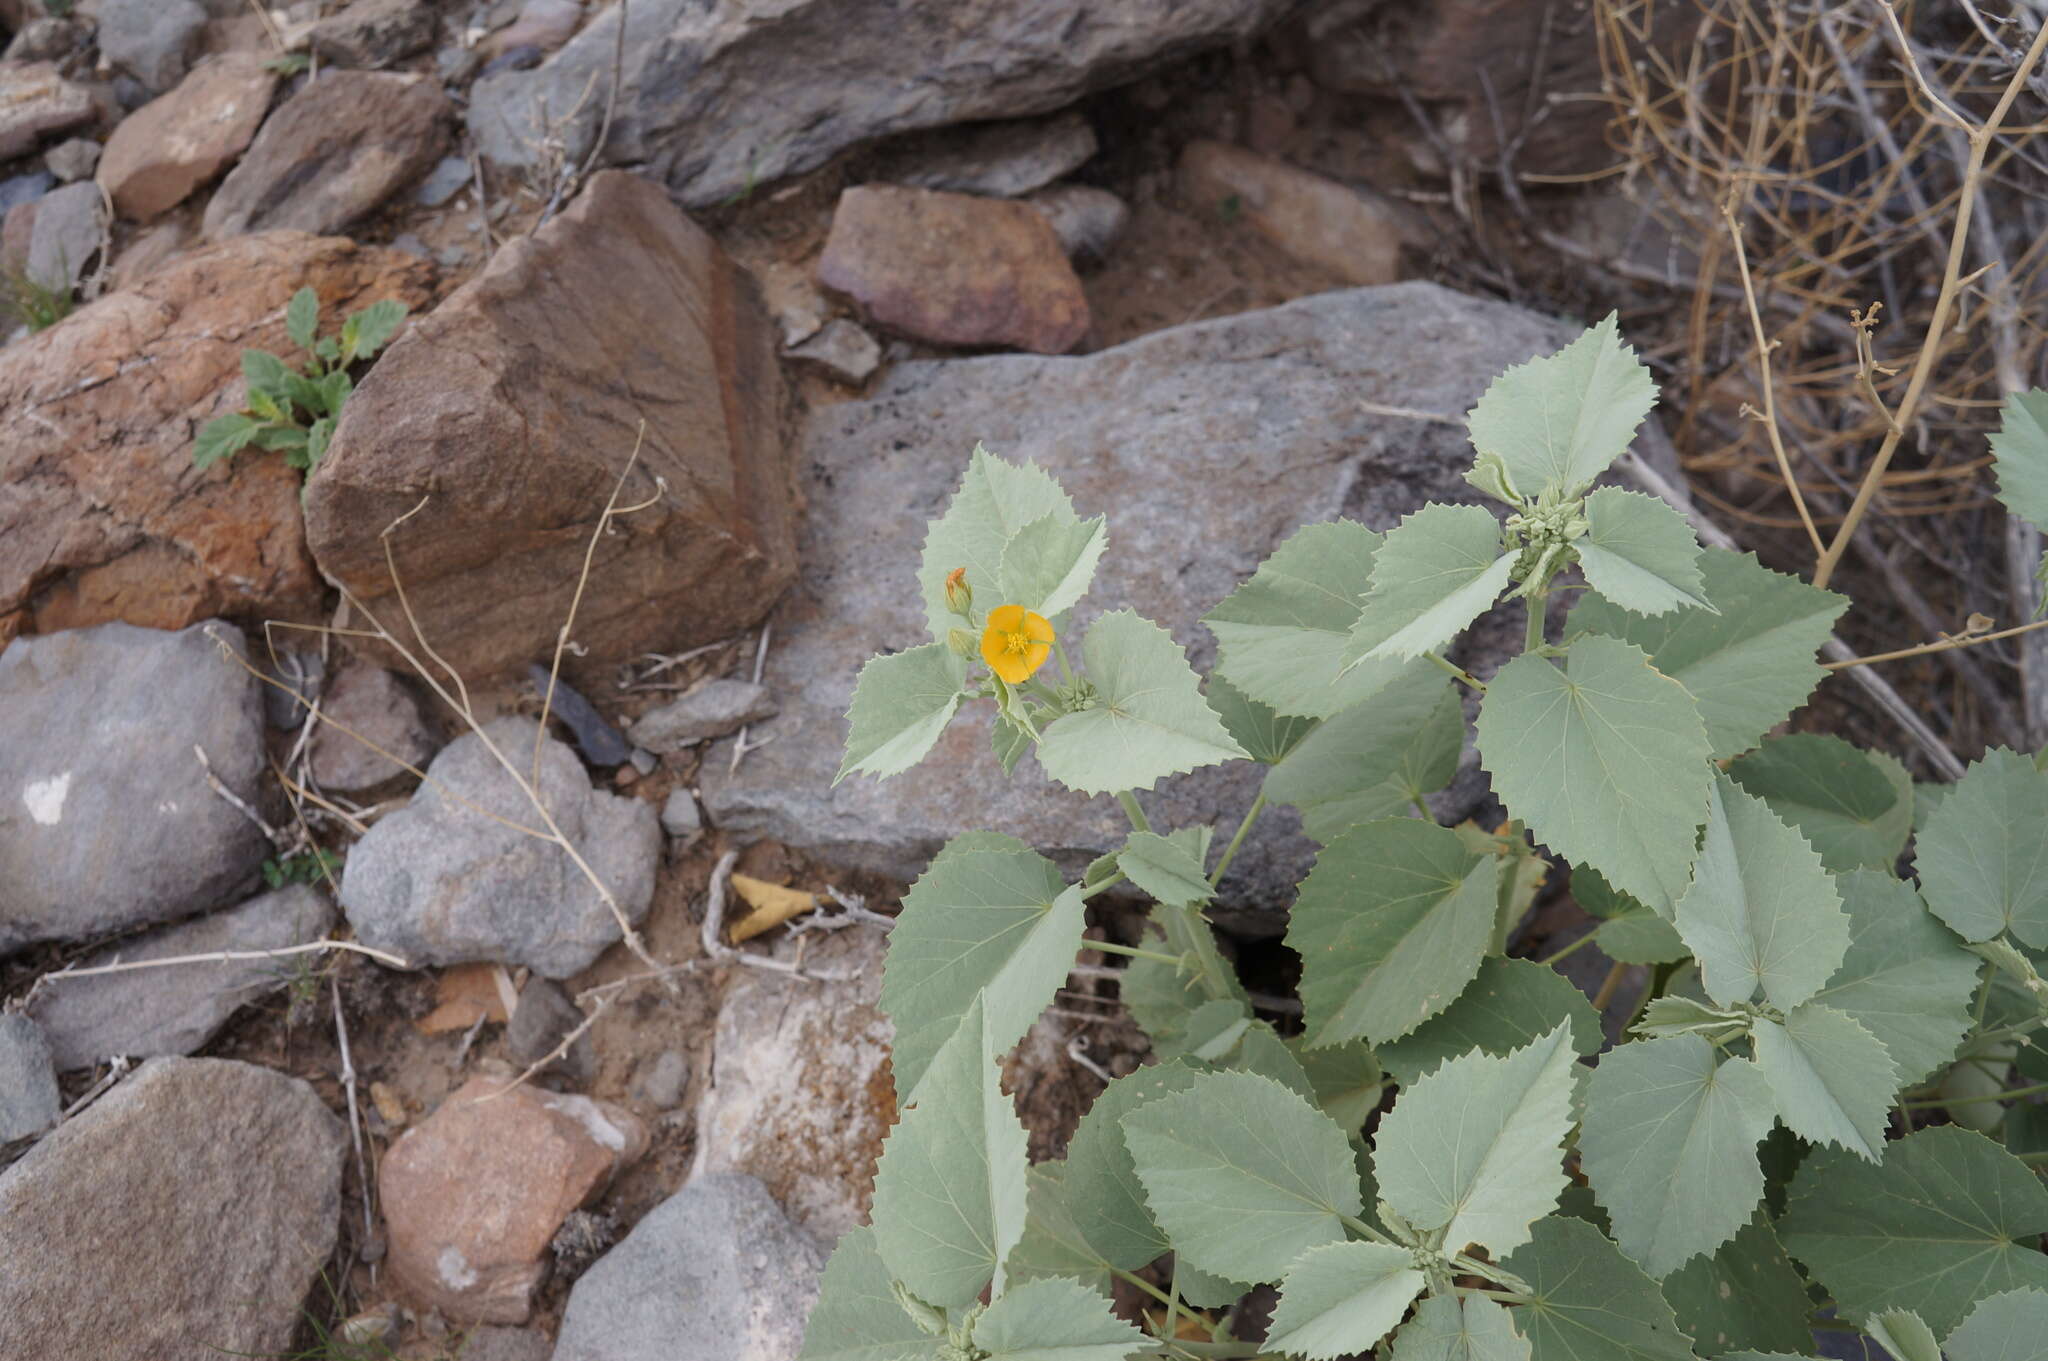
[1805,1124]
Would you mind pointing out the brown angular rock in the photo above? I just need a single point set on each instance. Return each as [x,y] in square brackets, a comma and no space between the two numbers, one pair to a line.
[102,515]
[517,403]
[1354,234]
[36,101]
[332,152]
[954,269]
[373,33]
[172,145]
[474,1194]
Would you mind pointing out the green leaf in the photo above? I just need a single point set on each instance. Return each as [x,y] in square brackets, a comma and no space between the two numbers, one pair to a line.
[1244,1175]
[288,440]
[375,325]
[1161,997]
[1459,1328]
[1342,1298]
[1391,924]
[1259,1049]
[1761,912]
[1149,719]
[302,318]
[1205,1291]
[1281,635]
[1264,732]
[1947,1219]
[267,375]
[1054,1320]
[1102,1188]
[1371,760]
[1591,1303]
[1170,868]
[1474,1148]
[1053,1244]
[1345,1078]
[328,350]
[1559,421]
[1436,572]
[1640,553]
[1904,1335]
[1670,1146]
[1748,666]
[1605,760]
[949,1189]
[1833,1080]
[995,502]
[1508,1004]
[1745,1295]
[318,437]
[1009,741]
[992,920]
[1048,564]
[334,390]
[857,1317]
[222,437]
[306,394]
[1629,933]
[1983,860]
[1856,807]
[2010,1326]
[901,703]
[2020,454]
[1905,979]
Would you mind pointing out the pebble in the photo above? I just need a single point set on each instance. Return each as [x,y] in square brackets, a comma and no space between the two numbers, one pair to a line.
[447,179]
[681,819]
[544,1016]
[715,709]
[73,160]
[660,1079]
[843,351]
[1087,220]
[365,707]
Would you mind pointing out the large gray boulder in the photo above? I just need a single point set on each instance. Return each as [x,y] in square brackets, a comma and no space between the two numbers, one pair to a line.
[184,1215]
[106,820]
[1206,446]
[718,97]
[717,1263]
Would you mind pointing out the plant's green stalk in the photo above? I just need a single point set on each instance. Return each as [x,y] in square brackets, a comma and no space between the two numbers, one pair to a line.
[1066,668]
[1365,1230]
[2037,1157]
[1134,811]
[1504,1296]
[1173,1304]
[1110,947]
[1038,689]
[1230,852]
[1476,686]
[1140,1282]
[1105,885]
[1556,955]
[1219,1351]
[1536,601]
[1984,997]
[2013,1095]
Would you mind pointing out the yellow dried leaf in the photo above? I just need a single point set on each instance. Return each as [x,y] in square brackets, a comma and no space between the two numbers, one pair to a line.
[773,905]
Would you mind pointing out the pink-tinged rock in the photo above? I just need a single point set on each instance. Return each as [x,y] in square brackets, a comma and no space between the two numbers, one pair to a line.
[954,269]
[1354,234]
[473,1196]
[36,102]
[517,403]
[172,145]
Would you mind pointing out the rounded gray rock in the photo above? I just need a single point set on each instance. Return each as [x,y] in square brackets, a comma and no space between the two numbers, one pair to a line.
[152,40]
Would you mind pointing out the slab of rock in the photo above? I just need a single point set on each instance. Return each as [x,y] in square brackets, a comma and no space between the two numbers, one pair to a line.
[66,228]
[333,152]
[473,1195]
[371,34]
[717,1263]
[518,402]
[151,40]
[600,743]
[721,96]
[108,822]
[176,1009]
[170,146]
[504,1344]
[542,26]
[73,160]
[1353,234]
[438,882]
[189,1209]
[954,269]
[842,350]
[1001,160]
[37,102]
[714,709]
[1204,462]
[1088,221]
[800,1093]
[365,709]
[102,515]
[29,1100]
[48,39]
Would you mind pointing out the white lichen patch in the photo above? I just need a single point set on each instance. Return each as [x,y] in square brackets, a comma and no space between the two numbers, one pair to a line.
[585,1112]
[45,798]
[456,1272]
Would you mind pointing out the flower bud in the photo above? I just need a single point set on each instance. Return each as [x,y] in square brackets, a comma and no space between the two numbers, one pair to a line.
[959,595]
[960,642]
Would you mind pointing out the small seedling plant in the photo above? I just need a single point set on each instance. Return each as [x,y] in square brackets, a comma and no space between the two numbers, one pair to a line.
[292,411]
[1808,1121]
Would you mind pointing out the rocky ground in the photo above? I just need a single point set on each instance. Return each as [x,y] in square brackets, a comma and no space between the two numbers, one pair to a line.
[756,278]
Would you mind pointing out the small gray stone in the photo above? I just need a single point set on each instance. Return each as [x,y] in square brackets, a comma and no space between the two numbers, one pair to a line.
[681,818]
[1087,220]
[659,1081]
[412,245]
[717,1262]
[29,1100]
[177,1008]
[600,743]
[151,40]
[1003,159]
[544,1016]
[69,227]
[843,350]
[440,882]
[73,160]
[504,1344]
[378,708]
[17,189]
[713,709]
[101,725]
[443,182]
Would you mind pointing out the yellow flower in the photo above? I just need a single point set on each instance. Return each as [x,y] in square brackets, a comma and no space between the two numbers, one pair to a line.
[1015,643]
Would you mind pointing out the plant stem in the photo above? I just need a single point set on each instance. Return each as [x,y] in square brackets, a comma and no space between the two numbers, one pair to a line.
[1110,947]
[1533,637]
[1556,955]
[1101,886]
[1365,1230]
[1066,668]
[1609,986]
[1230,852]
[1140,1282]
[1133,811]
[2013,1095]
[1476,686]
